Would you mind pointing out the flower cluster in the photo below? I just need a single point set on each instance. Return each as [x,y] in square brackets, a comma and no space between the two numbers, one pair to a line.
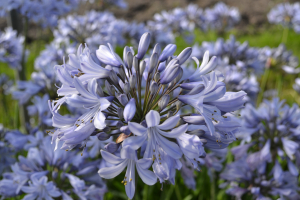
[286,14]
[43,12]
[280,57]
[270,140]
[138,101]
[167,24]
[11,48]
[71,173]
[239,63]
[221,17]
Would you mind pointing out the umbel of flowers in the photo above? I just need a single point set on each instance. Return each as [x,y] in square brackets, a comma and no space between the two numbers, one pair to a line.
[154,117]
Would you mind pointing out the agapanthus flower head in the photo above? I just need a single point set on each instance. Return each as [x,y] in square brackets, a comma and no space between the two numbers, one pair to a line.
[166,25]
[238,63]
[11,48]
[280,57]
[274,127]
[242,178]
[93,28]
[222,17]
[140,101]
[38,175]
[44,12]
[287,15]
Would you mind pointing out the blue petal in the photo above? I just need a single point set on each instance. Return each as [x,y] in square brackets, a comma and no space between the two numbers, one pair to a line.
[112,172]
[152,118]
[169,123]
[111,158]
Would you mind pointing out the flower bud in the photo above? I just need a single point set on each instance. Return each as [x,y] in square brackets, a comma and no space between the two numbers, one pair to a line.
[170,74]
[135,63]
[142,67]
[103,136]
[119,123]
[54,174]
[106,129]
[178,105]
[162,104]
[157,49]
[120,113]
[100,91]
[111,147]
[122,73]
[129,110]
[125,130]
[180,122]
[170,114]
[123,99]
[153,62]
[114,77]
[62,176]
[129,60]
[156,76]
[169,50]
[184,55]
[169,60]
[143,45]
[153,88]
[126,88]
[125,56]
[132,81]
[179,76]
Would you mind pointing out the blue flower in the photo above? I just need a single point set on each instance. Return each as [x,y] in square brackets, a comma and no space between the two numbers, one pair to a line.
[39,188]
[128,159]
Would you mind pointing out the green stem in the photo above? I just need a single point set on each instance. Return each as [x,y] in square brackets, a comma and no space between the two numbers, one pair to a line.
[263,86]
[285,35]
[145,193]
[177,192]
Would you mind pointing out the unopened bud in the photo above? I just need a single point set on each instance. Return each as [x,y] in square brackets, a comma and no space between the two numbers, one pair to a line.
[156,76]
[153,88]
[135,63]
[122,73]
[179,76]
[125,130]
[62,176]
[170,114]
[132,81]
[112,90]
[111,147]
[168,60]
[114,77]
[184,55]
[129,59]
[180,122]
[153,62]
[100,91]
[198,132]
[157,49]
[178,105]
[54,174]
[126,88]
[142,67]
[123,99]
[162,104]
[103,136]
[119,124]
[106,129]
[120,113]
